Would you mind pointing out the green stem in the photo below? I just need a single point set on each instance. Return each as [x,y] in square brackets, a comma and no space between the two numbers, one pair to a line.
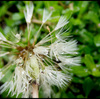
[35,37]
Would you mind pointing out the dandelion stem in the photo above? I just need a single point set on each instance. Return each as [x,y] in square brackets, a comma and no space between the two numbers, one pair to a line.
[45,37]
[35,37]
[35,90]
[39,22]
[28,31]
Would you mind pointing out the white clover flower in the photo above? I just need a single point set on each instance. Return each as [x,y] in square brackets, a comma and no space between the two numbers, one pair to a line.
[38,65]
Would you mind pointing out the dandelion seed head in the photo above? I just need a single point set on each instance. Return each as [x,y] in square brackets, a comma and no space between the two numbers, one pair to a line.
[45,63]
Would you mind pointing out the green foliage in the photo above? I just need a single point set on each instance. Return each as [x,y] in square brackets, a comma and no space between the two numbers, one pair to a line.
[17,16]
[84,23]
[3,10]
[87,85]
[80,71]
[97,40]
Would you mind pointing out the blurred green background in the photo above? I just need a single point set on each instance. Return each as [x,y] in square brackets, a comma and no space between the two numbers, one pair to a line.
[84,27]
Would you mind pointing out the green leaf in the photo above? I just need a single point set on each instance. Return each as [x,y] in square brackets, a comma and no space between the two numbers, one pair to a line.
[3,10]
[85,49]
[83,6]
[6,77]
[1,30]
[80,96]
[77,80]
[93,16]
[88,60]
[96,72]
[97,85]
[87,85]
[9,22]
[57,95]
[97,40]
[18,16]
[70,95]
[76,21]
[87,36]
[80,6]
[7,29]
[1,63]
[80,71]
[51,4]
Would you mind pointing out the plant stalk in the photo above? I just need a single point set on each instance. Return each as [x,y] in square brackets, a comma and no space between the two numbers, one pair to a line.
[35,91]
